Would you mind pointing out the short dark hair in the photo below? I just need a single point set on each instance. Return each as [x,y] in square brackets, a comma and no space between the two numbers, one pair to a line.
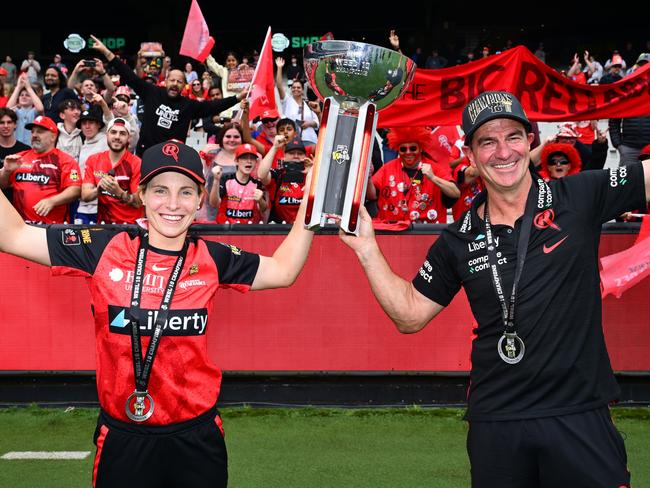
[69,103]
[283,122]
[9,113]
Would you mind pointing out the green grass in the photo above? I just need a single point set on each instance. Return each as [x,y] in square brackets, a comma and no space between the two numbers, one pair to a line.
[305,447]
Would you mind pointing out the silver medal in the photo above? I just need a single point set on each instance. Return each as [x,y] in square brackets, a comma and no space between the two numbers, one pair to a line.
[136,412]
[511,348]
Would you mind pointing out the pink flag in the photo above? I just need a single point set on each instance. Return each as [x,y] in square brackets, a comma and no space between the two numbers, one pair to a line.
[625,269]
[262,94]
[197,42]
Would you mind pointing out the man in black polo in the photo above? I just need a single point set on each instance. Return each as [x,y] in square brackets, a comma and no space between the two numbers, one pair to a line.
[167,114]
[526,254]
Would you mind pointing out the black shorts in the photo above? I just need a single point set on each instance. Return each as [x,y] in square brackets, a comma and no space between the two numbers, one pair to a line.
[191,453]
[578,450]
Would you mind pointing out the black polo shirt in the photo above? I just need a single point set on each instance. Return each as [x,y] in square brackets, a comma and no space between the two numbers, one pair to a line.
[558,313]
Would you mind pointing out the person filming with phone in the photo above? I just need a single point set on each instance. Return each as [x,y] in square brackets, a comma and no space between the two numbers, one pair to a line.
[289,178]
[85,79]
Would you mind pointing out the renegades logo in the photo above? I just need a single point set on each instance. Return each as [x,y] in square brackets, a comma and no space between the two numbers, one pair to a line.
[544,220]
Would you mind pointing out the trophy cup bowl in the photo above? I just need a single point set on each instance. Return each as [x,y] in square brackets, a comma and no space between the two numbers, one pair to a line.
[355,80]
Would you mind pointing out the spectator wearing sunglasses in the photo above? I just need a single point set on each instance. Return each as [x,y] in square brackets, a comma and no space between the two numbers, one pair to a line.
[413,187]
[559,160]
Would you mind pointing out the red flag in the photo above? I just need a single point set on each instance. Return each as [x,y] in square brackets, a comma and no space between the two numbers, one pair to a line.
[625,269]
[197,42]
[262,94]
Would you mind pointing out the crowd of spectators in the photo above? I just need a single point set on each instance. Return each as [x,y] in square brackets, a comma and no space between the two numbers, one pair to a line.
[79,133]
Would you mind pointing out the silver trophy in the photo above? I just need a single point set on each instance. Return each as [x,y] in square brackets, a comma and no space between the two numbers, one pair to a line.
[356,80]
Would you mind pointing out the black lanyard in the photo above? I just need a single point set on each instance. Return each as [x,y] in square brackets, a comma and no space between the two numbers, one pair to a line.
[508,310]
[142,372]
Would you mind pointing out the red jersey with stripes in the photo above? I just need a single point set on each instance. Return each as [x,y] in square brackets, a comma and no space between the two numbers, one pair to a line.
[405,194]
[110,208]
[184,382]
[238,205]
[43,175]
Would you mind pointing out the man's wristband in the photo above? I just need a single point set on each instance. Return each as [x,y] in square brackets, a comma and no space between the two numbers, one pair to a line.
[102,74]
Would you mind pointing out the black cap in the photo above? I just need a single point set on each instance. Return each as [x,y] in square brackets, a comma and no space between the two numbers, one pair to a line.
[492,105]
[171,156]
[295,145]
[93,113]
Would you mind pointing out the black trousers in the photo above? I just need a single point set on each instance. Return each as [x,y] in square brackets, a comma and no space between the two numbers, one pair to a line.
[577,450]
[191,453]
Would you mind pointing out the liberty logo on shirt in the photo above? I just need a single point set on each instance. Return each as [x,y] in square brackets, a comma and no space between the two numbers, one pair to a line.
[179,322]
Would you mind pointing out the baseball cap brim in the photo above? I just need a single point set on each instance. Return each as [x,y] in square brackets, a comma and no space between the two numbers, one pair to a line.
[178,169]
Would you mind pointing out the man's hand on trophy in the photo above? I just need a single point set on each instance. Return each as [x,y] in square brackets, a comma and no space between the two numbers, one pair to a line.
[366,239]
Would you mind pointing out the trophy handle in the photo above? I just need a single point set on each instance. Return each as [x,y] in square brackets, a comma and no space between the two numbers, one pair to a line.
[317,187]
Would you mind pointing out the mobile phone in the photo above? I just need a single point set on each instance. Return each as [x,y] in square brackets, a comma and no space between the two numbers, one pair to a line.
[293,171]
[89,63]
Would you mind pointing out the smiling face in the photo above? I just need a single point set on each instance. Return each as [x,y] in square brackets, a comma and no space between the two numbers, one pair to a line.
[231,139]
[410,153]
[117,138]
[500,150]
[171,200]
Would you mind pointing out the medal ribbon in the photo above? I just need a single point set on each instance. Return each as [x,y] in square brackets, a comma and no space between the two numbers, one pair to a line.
[142,370]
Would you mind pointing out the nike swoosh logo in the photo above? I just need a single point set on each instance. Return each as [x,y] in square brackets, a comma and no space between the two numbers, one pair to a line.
[155,267]
[548,249]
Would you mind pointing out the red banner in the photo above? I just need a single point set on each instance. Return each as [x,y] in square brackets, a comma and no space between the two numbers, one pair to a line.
[437,97]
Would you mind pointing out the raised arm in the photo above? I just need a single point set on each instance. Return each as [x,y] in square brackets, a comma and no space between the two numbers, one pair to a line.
[264,169]
[405,306]
[279,62]
[282,269]
[246,128]
[214,199]
[16,237]
[448,188]
[12,103]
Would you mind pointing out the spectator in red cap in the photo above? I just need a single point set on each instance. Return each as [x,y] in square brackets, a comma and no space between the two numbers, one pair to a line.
[414,187]
[269,119]
[239,197]
[44,179]
[161,413]
[167,114]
